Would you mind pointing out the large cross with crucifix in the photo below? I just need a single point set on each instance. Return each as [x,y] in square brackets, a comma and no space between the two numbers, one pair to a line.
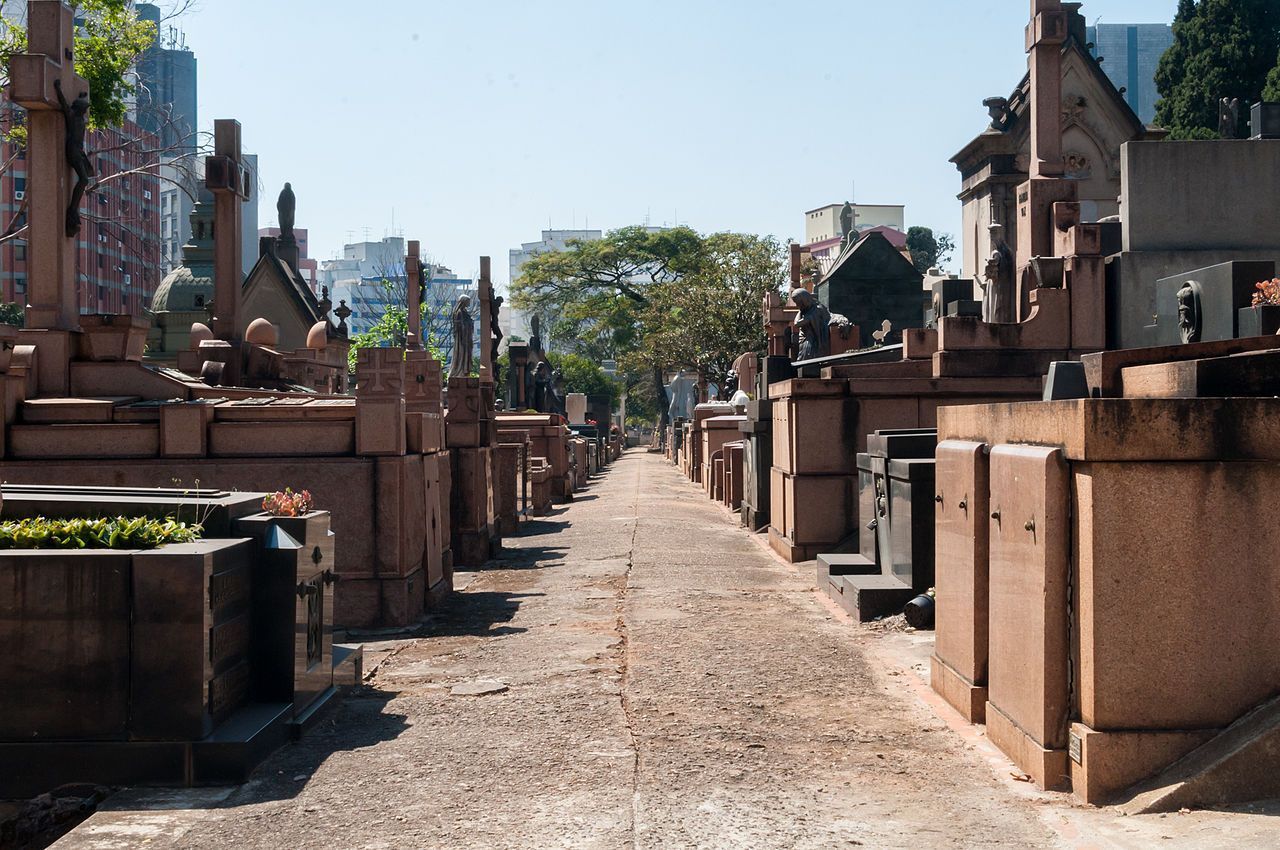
[413,294]
[227,178]
[44,82]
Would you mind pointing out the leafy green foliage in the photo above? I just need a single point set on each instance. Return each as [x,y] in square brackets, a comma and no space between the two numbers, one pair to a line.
[107,45]
[103,533]
[1221,48]
[655,300]
[929,251]
[583,375]
[13,314]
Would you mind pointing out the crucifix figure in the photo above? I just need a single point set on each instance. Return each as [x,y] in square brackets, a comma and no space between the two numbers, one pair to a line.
[55,140]
[76,115]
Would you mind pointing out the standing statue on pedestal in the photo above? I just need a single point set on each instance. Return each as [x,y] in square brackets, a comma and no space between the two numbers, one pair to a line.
[1000,302]
[812,326]
[542,385]
[682,392]
[847,225]
[464,329]
[286,211]
[76,114]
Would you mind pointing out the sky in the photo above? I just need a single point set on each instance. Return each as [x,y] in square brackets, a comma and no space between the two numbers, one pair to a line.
[473,126]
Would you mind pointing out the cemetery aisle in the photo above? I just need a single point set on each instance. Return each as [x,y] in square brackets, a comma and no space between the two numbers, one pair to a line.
[668,684]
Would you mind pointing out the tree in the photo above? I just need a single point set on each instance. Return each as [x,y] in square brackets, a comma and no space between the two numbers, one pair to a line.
[711,316]
[1221,48]
[583,375]
[929,251]
[594,291]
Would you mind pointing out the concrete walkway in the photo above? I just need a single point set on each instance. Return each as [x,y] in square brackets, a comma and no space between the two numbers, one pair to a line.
[655,679]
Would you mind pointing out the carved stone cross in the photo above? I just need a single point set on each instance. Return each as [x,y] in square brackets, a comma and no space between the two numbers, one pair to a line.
[52,299]
[486,328]
[413,294]
[227,178]
[1045,37]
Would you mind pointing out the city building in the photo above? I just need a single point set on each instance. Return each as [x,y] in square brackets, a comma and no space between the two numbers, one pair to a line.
[166,102]
[1129,55]
[824,233]
[307,267]
[119,250]
[357,278]
[514,323]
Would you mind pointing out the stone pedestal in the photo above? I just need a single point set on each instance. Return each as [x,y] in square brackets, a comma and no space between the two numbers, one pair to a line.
[507,478]
[757,461]
[473,524]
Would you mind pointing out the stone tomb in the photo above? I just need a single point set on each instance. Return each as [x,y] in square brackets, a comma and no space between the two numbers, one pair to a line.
[550,440]
[1103,512]
[1206,305]
[181,665]
[895,560]
[716,432]
[472,435]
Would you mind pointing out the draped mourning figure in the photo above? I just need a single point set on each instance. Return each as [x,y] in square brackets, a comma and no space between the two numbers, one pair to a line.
[812,326]
[464,330]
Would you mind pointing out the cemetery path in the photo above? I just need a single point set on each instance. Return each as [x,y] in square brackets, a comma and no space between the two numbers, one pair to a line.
[658,680]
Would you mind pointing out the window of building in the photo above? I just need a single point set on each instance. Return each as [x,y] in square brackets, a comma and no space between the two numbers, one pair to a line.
[20,251]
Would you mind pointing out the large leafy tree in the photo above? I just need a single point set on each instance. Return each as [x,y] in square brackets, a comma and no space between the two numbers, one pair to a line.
[1221,48]
[108,43]
[656,300]
[927,250]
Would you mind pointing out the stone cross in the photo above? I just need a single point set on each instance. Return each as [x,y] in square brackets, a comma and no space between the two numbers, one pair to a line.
[486,329]
[413,294]
[227,178]
[1045,37]
[52,299]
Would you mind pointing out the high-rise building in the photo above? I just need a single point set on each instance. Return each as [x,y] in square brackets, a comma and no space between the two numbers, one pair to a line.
[1130,54]
[119,250]
[357,278]
[166,96]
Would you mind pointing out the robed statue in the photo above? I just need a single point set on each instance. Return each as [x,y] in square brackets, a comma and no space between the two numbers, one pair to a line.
[1000,302]
[286,211]
[812,326]
[464,330]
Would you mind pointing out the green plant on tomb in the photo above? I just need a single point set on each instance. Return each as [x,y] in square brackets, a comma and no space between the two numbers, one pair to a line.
[102,533]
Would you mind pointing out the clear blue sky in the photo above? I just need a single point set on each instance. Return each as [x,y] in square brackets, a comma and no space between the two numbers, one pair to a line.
[478,123]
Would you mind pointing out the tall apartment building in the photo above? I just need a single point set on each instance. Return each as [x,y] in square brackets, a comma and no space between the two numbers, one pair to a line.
[119,249]
[1130,54]
[514,323]
[356,278]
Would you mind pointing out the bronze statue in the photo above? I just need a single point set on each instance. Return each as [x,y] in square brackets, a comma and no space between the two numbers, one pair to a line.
[542,382]
[463,339]
[495,329]
[77,120]
[999,305]
[1190,317]
[846,223]
[1229,118]
[813,326]
[286,209]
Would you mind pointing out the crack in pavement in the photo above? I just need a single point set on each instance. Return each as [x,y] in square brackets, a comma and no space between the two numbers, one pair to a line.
[624,668]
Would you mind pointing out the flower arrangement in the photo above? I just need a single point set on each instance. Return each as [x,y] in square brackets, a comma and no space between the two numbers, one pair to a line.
[1268,293]
[288,503]
[117,533]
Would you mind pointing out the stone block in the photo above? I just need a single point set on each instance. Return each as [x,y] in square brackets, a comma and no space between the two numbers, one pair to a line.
[1146,589]
[1219,293]
[1104,765]
[1048,768]
[815,435]
[813,510]
[1029,539]
[962,574]
[184,430]
[1194,195]
[380,426]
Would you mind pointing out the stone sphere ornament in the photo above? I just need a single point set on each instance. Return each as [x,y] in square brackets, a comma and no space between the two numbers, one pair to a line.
[261,332]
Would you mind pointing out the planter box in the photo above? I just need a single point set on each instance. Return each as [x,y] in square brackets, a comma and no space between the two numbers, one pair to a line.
[297,575]
[1259,321]
[109,645]
[109,337]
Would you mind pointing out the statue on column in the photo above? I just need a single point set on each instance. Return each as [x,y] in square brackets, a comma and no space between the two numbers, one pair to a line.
[286,211]
[463,339]
[847,224]
[999,305]
[76,115]
[812,326]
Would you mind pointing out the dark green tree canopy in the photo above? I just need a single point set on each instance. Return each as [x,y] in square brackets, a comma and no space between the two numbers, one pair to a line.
[928,251]
[1221,48]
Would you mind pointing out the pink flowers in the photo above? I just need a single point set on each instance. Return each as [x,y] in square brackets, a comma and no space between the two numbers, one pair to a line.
[1268,293]
[288,503]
